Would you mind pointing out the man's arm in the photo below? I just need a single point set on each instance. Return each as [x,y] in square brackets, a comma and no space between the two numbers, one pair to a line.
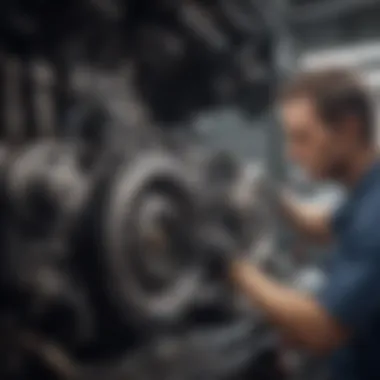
[299,317]
[349,301]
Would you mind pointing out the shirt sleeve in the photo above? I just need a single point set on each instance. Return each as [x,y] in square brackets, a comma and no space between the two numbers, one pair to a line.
[352,293]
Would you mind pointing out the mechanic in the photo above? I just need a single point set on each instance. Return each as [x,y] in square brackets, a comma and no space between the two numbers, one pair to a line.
[329,124]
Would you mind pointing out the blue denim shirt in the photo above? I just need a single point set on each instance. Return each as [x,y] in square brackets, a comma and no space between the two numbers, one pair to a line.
[352,292]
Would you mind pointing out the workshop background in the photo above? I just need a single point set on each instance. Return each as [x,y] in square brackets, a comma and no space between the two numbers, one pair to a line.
[303,34]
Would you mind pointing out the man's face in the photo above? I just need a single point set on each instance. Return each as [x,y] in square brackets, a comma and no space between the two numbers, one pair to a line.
[319,149]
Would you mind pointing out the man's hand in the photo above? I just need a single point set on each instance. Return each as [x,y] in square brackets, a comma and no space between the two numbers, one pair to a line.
[299,317]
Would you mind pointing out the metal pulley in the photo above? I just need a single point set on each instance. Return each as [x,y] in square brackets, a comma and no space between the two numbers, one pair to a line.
[150,223]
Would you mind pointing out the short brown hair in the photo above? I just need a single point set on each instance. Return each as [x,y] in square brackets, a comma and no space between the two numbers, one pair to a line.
[338,93]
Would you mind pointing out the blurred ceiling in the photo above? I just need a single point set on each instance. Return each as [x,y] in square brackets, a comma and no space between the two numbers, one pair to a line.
[306,11]
[333,22]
